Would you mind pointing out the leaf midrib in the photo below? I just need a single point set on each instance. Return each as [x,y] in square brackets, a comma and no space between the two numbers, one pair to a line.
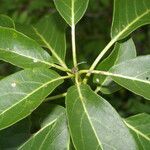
[49,124]
[45,84]
[50,48]
[72,13]
[123,76]
[29,57]
[137,131]
[50,132]
[85,110]
[130,24]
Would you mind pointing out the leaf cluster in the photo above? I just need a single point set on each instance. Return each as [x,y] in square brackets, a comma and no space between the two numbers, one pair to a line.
[87,121]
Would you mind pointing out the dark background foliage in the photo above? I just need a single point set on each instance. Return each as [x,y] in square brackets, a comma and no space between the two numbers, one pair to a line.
[93,33]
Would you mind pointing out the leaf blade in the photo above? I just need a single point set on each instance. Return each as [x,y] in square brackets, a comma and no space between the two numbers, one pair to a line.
[86,111]
[71,10]
[24,87]
[140,128]
[53,133]
[132,15]
[22,51]
[51,31]
[133,75]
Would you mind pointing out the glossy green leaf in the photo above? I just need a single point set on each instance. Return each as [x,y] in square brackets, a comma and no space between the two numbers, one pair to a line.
[134,75]
[23,92]
[94,121]
[53,133]
[128,16]
[51,31]
[6,21]
[21,51]
[123,51]
[140,128]
[16,135]
[71,10]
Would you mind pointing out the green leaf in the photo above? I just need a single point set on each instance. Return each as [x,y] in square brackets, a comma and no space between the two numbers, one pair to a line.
[29,31]
[71,146]
[123,51]
[134,75]
[140,128]
[22,51]
[51,31]
[6,21]
[14,136]
[71,10]
[53,133]
[93,122]
[128,16]
[23,92]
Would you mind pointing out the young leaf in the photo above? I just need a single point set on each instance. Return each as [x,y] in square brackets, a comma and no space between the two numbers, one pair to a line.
[14,136]
[51,31]
[22,51]
[128,16]
[134,75]
[140,128]
[93,122]
[123,51]
[53,133]
[23,92]
[6,21]
[71,10]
